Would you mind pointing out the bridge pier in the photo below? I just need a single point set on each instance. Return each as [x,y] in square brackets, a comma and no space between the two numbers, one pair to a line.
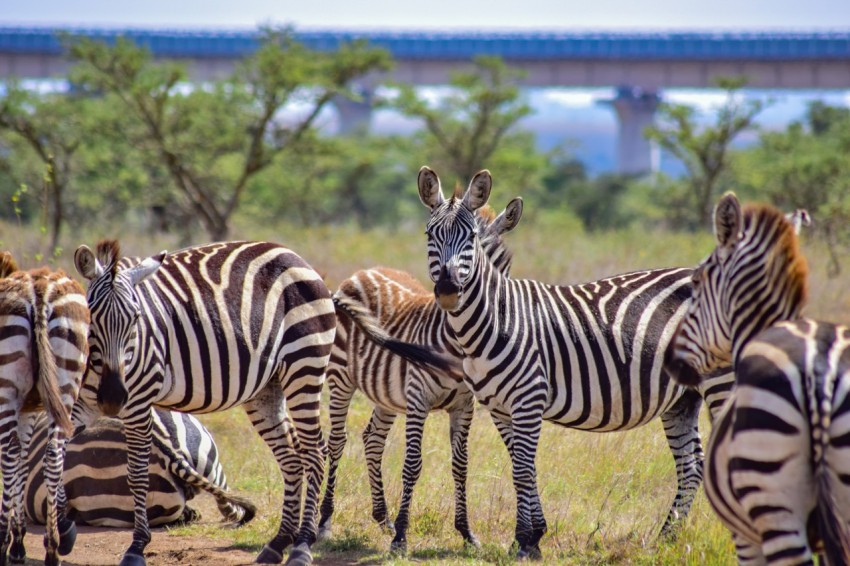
[635,109]
[354,115]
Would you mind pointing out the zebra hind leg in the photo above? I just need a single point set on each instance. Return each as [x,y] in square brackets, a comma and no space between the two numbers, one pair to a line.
[414,427]
[681,426]
[374,442]
[341,392]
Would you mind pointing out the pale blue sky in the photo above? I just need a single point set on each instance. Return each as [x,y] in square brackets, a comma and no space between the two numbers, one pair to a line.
[439,14]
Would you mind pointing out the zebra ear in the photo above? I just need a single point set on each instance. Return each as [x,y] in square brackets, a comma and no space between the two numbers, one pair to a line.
[430,191]
[145,269]
[799,218]
[479,190]
[86,263]
[727,221]
[509,218]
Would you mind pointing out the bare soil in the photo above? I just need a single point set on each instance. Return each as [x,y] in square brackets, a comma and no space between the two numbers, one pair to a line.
[98,546]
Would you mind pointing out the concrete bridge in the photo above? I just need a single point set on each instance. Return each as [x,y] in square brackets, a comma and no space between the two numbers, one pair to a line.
[639,65]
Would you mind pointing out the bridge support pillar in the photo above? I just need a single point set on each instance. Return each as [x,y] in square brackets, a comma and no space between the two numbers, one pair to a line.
[354,115]
[635,110]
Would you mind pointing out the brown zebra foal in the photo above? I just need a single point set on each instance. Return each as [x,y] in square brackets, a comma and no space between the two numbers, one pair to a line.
[44,324]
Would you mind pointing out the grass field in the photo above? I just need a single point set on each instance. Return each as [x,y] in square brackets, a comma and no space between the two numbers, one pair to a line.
[604,495]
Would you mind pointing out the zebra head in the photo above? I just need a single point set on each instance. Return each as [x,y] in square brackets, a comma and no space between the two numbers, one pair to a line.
[115,312]
[755,276]
[454,233]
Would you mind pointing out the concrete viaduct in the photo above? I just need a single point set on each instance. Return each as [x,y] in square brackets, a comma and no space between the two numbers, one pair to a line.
[638,65]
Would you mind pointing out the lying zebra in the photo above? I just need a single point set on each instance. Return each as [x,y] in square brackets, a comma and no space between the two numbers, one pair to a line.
[184,461]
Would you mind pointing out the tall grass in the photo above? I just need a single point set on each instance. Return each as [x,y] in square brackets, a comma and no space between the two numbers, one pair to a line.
[604,495]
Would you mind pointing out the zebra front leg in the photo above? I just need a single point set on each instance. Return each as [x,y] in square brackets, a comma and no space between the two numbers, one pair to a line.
[414,427]
[341,392]
[374,441]
[526,423]
[460,423]
[681,426]
[139,439]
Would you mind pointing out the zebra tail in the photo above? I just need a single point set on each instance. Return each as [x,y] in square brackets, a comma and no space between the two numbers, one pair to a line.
[186,471]
[47,374]
[421,356]
[833,529]
[7,264]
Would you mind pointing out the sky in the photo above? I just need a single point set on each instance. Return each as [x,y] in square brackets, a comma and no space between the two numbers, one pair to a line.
[540,15]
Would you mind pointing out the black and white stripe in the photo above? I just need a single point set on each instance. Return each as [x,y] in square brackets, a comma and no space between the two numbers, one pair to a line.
[95,474]
[205,329]
[407,311]
[44,322]
[583,356]
[778,461]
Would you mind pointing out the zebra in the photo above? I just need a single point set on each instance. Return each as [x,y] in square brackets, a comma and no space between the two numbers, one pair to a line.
[205,329]
[395,387]
[582,356]
[95,476]
[44,321]
[777,464]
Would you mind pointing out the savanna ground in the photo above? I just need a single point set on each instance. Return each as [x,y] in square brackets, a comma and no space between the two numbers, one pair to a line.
[604,495]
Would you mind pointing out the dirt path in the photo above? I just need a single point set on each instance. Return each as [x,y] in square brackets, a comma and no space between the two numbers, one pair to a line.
[103,547]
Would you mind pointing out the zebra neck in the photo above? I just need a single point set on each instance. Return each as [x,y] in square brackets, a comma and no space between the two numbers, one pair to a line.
[480,303]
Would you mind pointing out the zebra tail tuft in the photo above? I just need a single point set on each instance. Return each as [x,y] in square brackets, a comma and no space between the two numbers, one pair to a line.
[46,375]
[421,356]
[249,510]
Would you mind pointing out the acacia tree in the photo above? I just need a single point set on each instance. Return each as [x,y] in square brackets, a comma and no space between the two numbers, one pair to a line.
[704,150]
[50,126]
[467,126]
[213,139]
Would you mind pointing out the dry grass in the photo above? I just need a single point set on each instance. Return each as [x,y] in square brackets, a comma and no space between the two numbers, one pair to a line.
[604,495]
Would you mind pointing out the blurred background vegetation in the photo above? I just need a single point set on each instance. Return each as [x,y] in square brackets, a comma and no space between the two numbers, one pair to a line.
[132,147]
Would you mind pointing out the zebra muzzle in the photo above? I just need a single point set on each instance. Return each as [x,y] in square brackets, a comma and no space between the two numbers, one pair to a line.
[446,290]
[112,394]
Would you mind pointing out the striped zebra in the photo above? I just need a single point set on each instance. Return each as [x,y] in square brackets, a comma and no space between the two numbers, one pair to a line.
[778,464]
[583,356]
[205,329]
[406,310]
[95,474]
[44,322]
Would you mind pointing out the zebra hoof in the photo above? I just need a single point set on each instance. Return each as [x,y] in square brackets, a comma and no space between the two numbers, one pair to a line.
[398,547]
[17,552]
[389,526]
[532,553]
[472,541]
[51,560]
[67,538]
[325,532]
[300,556]
[268,555]
[132,560]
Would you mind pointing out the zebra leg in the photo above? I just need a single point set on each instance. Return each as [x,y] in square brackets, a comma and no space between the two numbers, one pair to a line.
[138,432]
[374,441]
[267,412]
[460,422]
[17,552]
[415,417]
[526,423]
[681,426]
[341,392]
[10,462]
[303,393]
[53,468]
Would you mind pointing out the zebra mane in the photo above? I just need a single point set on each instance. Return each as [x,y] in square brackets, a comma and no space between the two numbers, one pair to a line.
[784,255]
[7,264]
[491,240]
[108,254]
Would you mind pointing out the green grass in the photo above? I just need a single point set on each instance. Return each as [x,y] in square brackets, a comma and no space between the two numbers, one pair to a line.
[604,495]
